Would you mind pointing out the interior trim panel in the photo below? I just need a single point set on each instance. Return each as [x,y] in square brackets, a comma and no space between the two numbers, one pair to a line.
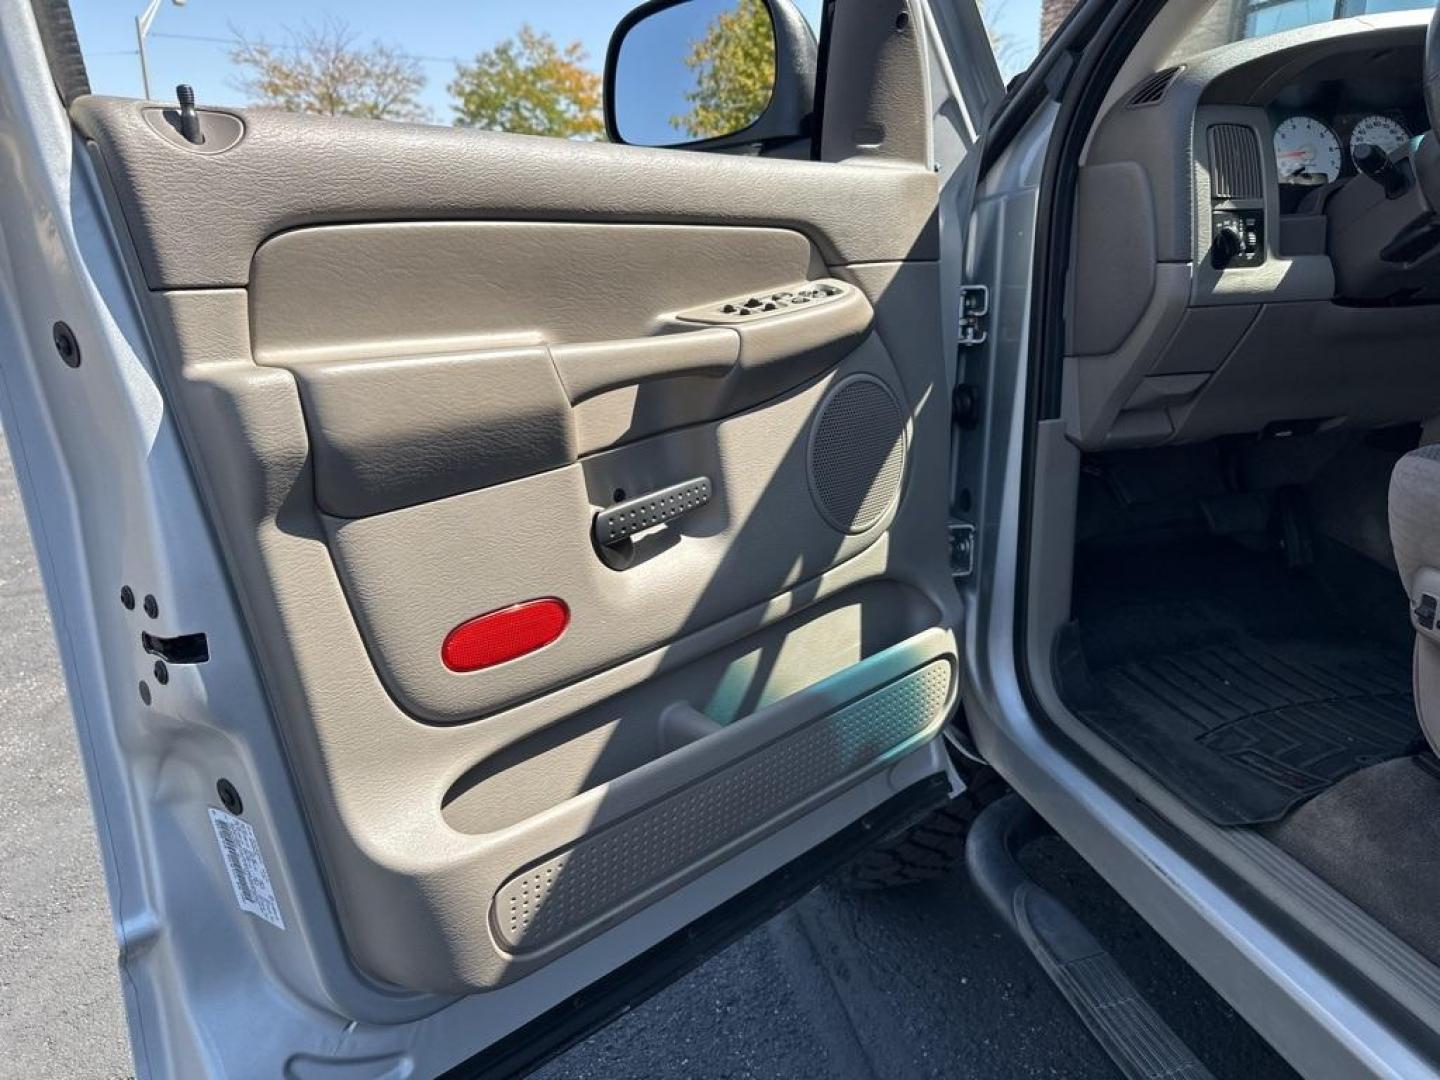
[409,393]
[502,349]
[589,880]
[293,169]
[409,581]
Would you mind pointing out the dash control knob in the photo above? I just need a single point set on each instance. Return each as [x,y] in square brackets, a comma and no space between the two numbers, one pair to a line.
[1229,243]
[1237,238]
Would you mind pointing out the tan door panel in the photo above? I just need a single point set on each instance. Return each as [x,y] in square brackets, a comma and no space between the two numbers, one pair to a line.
[416,287]
[589,369]
[411,392]
[292,170]
[458,372]
[395,432]
[415,574]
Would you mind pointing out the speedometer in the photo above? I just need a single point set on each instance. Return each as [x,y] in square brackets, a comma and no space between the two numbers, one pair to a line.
[1305,149]
[1389,135]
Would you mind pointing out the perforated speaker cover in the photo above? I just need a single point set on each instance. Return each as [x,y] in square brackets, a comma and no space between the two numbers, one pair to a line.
[857,453]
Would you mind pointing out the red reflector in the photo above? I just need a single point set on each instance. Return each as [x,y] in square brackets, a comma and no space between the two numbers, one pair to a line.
[498,636]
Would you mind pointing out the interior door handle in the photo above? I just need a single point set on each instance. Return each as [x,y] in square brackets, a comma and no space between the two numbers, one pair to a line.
[594,367]
[801,331]
[618,523]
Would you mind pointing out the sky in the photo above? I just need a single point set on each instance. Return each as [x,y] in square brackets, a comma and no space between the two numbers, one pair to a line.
[189,43]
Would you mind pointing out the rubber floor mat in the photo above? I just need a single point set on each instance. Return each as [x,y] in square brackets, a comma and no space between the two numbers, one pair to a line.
[1244,688]
[1245,732]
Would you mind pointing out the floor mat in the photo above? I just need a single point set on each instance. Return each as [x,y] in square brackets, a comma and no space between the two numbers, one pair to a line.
[1247,731]
[1243,686]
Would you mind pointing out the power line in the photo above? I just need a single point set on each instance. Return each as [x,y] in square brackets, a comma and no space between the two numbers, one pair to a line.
[233,41]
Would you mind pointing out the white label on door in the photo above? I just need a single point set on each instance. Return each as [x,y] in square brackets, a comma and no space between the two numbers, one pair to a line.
[246,867]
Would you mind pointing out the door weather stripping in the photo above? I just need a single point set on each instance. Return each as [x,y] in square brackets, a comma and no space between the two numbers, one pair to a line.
[947,70]
[1142,1046]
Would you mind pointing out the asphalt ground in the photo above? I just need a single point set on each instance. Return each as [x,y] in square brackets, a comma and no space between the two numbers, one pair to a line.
[918,982]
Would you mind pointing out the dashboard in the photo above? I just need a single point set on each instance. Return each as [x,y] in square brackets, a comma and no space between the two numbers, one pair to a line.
[1223,278]
[1319,125]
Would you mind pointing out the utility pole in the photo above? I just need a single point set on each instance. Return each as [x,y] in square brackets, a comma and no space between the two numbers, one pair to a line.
[142,27]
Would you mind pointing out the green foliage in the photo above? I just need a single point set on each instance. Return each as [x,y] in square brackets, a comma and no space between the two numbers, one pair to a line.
[323,69]
[734,66]
[528,84]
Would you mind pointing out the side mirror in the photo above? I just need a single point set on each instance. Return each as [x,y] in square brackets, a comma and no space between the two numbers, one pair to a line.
[710,74]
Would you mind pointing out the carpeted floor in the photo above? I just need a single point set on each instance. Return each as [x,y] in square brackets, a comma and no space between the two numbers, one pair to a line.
[1375,837]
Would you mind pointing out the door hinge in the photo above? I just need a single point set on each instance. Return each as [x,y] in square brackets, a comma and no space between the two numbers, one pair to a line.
[962,549]
[974,314]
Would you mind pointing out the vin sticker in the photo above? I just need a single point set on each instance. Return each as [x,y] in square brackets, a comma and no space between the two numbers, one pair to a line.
[240,852]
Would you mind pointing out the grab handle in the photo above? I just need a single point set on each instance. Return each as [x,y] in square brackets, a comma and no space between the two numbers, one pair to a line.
[623,520]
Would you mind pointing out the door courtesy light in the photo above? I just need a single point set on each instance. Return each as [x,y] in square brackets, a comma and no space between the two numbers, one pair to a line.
[507,634]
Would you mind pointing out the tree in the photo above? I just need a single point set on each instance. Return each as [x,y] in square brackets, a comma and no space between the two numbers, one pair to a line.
[734,66]
[1011,55]
[323,69]
[528,84]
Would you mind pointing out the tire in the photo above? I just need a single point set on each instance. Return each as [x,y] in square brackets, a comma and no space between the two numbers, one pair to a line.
[932,848]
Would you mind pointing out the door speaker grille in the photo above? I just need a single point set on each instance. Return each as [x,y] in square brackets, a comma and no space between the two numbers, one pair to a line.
[857,453]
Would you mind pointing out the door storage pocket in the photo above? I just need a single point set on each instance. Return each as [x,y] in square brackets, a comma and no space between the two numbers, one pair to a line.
[686,706]
[597,879]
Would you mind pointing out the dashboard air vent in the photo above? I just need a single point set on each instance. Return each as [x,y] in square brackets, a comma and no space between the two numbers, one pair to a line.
[1235,163]
[1153,89]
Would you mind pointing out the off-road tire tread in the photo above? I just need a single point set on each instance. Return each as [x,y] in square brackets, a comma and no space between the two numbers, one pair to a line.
[930,849]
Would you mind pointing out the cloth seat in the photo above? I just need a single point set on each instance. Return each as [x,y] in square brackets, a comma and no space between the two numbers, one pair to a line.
[1415,537]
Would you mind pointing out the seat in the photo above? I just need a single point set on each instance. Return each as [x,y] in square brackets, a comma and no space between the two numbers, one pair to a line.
[1415,536]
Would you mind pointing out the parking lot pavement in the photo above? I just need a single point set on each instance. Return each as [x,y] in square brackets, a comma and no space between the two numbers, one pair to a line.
[920,982]
[923,982]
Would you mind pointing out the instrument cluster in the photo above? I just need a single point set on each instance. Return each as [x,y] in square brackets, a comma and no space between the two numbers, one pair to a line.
[1310,151]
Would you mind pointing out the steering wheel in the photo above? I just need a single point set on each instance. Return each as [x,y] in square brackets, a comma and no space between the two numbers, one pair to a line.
[1385,245]
[1432,71]
[1426,159]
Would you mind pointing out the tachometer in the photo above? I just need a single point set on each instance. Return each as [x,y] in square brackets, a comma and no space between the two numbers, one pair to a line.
[1389,135]
[1305,149]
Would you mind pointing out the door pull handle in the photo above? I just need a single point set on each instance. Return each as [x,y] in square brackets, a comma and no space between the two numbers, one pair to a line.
[616,524]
